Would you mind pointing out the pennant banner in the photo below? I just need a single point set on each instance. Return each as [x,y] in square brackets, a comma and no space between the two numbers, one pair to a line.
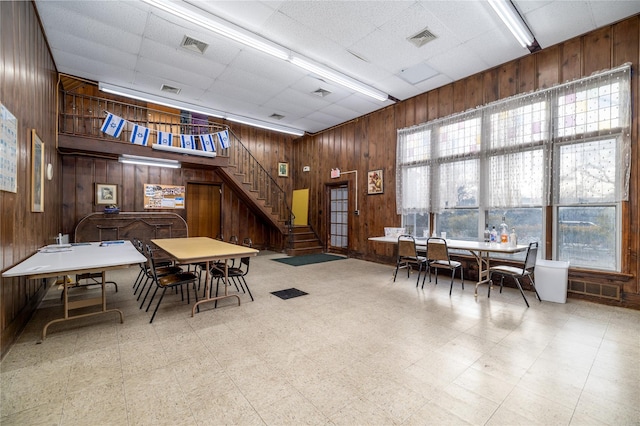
[113,125]
[207,143]
[188,141]
[165,138]
[223,138]
[139,135]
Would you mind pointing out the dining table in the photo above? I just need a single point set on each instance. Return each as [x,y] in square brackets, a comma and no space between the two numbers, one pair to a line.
[192,250]
[62,260]
[480,250]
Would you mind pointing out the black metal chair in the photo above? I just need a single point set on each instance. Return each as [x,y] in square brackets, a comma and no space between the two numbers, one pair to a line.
[408,256]
[153,267]
[170,281]
[438,258]
[518,273]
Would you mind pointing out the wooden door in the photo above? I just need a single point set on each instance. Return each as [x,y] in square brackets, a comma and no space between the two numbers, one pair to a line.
[203,209]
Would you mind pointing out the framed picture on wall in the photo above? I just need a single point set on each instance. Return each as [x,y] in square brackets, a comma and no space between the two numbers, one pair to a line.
[37,173]
[106,193]
[283,169]
[375,182]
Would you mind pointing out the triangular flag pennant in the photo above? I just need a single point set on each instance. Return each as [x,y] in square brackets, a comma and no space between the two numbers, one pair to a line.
[188,141]
[207,143]
[139,135]
[113,125]
[223,138]
[165,138]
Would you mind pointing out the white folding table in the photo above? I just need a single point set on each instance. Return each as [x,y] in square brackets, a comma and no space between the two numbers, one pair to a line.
[79,259]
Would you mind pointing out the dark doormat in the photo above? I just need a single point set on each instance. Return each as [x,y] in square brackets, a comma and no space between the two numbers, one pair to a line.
[289,293]
[308,259]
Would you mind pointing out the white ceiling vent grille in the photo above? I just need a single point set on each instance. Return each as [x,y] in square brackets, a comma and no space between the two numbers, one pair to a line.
[170,89]
[422,38]
[193,44]
[321,92]
[276,116]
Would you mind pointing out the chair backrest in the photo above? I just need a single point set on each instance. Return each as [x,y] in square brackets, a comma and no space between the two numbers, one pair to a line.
[437,249]
[247,242]
[406,246]
[151,264]
[219,237]
[532,255]
[233,239]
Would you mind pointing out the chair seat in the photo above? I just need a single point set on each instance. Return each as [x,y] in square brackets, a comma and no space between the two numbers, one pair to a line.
[510,270]
[176,279]
[452,264]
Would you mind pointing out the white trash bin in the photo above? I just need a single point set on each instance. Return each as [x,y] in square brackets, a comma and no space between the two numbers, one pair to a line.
[551,278]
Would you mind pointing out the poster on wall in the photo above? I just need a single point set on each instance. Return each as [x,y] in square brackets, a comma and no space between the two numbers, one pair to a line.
[8,151]
[163,196]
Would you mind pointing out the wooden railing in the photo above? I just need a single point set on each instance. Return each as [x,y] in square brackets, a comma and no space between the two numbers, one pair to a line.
[83,115]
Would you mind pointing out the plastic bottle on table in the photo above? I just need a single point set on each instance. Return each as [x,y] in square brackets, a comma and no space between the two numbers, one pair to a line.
[504,232]
[513,238]
[487,233]
[493,237]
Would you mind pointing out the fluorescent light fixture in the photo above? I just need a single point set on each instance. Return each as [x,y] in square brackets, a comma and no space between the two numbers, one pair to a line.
[512,19]
[263,125]
[158,100]
[147,161]
[341,79]
[187,151]
[217,25]
[226,29]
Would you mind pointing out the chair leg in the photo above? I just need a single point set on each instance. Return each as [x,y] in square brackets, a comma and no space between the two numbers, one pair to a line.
[419,272]
[247,286]
[521,292]
[453,272]
[490,284]
[462,276]
[152,297]
[534,288]
[396,272]
[501,283]
[156,309]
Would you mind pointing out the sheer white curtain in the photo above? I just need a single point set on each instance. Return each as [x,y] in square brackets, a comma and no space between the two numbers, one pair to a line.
[504,154]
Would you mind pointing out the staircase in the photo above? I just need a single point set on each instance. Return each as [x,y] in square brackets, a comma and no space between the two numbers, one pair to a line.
[303,240]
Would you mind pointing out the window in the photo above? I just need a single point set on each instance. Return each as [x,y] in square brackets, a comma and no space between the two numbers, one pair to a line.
[568,147]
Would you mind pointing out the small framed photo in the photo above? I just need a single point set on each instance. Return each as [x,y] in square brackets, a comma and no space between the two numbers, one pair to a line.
[106,193]
[283,169]
[375,182]
[37,173]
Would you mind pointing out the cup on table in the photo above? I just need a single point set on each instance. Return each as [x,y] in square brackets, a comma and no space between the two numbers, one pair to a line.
[443,235]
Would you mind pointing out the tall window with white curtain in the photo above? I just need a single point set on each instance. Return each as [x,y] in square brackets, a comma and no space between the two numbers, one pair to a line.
[567,147]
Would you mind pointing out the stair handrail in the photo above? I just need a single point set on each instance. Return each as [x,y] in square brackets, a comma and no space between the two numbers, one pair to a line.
[257,174]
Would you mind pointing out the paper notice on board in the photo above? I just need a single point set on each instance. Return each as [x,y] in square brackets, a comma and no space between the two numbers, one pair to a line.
[164,196]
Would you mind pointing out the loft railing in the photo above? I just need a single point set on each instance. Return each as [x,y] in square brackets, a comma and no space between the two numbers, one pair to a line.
[83,115]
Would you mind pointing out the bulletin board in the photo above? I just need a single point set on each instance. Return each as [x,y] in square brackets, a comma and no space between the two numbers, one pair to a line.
[163,196]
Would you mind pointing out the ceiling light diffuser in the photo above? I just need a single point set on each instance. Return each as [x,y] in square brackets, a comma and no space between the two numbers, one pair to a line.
[512,19]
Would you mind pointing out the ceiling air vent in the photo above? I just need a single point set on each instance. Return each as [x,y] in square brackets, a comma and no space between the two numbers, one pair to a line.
[193,44]
[169,89]
[422,38]
[276,116]
[321,92]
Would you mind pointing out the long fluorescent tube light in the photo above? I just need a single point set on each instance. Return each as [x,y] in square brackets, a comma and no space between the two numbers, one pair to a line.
[180,150]
[267,126]
[158,100]
[147,161]
[339,78]
[512,19]
[213,23]
[230,31]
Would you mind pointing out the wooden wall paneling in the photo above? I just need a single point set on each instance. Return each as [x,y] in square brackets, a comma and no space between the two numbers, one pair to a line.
[473,92]
[460,95]
[432,105]
[526,74]
[422,113]
[410,112]
[507,80]
[490,90]
[548,67]
[445,101]
[571,60]
[597,51]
